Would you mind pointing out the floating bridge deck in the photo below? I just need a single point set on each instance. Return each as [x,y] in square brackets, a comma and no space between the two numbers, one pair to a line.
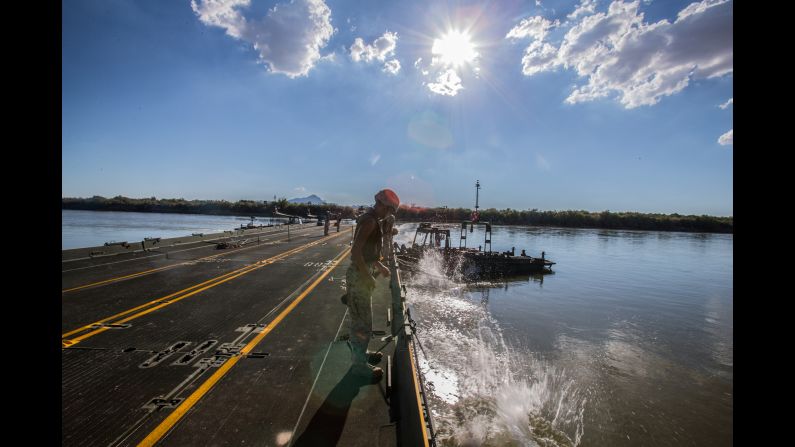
[178,343]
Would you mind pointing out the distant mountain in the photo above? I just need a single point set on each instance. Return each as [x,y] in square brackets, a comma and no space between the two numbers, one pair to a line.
[312,200]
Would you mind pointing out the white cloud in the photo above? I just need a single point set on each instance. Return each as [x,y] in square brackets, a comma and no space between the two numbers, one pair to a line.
[727,138]
[300,189]
[289,37]
[418,66]
[222,13]
[617,52]
[727,104]
[392,66]
[538,57]
[698,8]
[535,27]
[380,49]
[586,7]
[447,83]
[374,159]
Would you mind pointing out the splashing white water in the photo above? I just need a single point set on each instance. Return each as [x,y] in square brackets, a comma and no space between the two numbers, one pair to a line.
[483,391]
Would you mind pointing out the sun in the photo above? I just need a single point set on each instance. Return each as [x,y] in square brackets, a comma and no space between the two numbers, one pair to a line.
[454,48]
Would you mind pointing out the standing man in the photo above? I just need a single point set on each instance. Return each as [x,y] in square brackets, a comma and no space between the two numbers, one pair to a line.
[360,277]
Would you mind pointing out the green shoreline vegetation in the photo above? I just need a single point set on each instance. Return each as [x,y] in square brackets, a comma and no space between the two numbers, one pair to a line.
[534,217]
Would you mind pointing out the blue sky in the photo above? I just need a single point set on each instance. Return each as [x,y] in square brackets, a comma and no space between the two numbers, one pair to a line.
[553,105]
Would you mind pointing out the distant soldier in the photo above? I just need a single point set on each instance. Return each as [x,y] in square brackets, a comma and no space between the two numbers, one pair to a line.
[365,265]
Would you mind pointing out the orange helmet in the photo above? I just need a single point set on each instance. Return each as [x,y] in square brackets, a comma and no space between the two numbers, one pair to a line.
[388,198]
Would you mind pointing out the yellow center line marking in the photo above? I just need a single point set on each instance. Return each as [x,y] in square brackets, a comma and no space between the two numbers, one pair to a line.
[158,300]
[172,301]
[169,299]
[205,387]
[99,283]
[147,272]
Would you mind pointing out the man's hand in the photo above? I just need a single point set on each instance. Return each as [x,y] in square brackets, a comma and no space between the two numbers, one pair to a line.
[384,271]
[369,281]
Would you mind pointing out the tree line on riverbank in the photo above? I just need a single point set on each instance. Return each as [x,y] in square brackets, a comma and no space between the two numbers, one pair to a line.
[213,207]
[576,219]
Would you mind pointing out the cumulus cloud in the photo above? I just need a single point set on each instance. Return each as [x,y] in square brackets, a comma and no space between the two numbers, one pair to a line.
[380,49]
[418,66]
[289,37]
[535,27]
[392,66]
[223,14]
[586,7]
[727,138]
[616,52]
[447,83]
[727,104]
[538,57]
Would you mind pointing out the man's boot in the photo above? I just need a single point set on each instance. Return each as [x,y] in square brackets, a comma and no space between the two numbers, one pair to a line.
[370,373]
[374,358]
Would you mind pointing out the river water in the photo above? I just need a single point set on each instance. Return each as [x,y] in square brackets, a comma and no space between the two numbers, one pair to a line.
[629,342]
[81,229]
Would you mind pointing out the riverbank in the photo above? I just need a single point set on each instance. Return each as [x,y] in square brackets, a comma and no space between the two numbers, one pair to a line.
[566,219]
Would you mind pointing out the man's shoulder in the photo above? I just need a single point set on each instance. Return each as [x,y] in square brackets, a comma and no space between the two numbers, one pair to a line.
[366,217]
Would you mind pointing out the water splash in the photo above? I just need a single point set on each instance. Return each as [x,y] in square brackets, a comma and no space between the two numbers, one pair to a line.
[482,390]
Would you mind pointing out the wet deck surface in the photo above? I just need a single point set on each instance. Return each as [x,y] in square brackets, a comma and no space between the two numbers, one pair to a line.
[219,347]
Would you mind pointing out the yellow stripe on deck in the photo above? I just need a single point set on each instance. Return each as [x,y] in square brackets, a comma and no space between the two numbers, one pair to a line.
[159,303]
[205,387]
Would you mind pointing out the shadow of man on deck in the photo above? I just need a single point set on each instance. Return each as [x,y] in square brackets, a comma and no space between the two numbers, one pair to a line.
[326,425]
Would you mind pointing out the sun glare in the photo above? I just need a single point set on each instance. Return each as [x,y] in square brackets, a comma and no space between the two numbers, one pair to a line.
[454,48]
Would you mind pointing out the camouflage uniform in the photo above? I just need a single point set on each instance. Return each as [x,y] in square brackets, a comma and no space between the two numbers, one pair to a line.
[359,307]
[359,296]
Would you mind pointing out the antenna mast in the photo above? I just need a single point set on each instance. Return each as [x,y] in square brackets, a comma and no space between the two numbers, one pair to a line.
[477,191]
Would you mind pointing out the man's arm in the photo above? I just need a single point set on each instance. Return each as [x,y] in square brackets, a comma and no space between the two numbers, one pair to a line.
[382,268]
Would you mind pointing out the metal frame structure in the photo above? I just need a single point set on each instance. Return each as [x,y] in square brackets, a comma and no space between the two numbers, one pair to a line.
[462,241]
[437,236]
